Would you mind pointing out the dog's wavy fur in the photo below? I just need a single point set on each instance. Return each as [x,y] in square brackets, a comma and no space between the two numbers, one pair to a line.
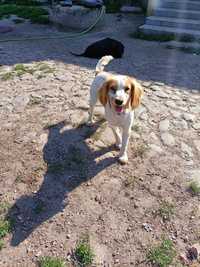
[111,89]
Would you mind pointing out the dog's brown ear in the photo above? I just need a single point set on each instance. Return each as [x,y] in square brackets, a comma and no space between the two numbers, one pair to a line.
[103,94]
[136,93]
[103,91]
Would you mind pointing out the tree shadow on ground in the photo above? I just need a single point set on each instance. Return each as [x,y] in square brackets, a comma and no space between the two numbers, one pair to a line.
[70,162]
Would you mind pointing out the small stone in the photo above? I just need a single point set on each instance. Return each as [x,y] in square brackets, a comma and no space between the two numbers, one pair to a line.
[167,139]
[147,227]
[193,175]
[195,109]
[188,117]
[146,84]
[164,125]
[21,102]
[186,150]
[180,124]
[116,261]
[197,144]
[170,104]
[196,126]
[175,114]
[161,94]
[155,87]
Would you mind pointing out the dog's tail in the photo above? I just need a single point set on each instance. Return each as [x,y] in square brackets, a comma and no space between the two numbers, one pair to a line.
[102,63]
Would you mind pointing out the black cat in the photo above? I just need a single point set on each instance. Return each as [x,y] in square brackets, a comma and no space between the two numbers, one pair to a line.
[102,48]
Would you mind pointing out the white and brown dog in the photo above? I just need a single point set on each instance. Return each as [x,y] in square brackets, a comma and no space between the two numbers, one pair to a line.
[120,95]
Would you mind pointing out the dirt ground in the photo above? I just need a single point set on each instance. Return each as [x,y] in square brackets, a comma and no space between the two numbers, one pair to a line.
[62,178]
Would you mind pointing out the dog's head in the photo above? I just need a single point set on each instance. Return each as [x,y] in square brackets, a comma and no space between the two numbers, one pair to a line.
[122,92]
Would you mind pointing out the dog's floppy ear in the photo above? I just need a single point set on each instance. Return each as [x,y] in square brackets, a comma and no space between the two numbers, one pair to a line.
[136,93]
[103,91]
[103,94]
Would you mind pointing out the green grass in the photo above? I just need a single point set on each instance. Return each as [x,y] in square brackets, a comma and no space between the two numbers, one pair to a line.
[4,207]
[5,227]
[83,253]
[51,262]
[23,2]
[113,6]
[21,69]
[34,13]
[163,254]
[6,76]
[166,210]
[152,37]
[194,188]
[40,207]
[1,244]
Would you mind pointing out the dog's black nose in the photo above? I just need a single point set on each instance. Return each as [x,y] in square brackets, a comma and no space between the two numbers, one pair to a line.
[118,102]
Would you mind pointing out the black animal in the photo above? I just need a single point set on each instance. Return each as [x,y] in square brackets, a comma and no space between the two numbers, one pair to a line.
[102,48]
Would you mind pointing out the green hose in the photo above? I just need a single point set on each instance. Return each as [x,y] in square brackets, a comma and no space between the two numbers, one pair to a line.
[60,36]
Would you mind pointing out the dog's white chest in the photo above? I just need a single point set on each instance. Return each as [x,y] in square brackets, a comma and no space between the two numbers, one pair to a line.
[123,119]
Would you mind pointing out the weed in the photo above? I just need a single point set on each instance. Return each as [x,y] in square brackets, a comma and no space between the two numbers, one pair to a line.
[194,188]
[166,210]
[4,207]
[34,13]
[136,128]
[40,207]
[129,182]
[83,253]
[45,68]
[51,262]
[1,244]
[140,150]
[23,2]
[6,76]
[5,227]
[152,37]
[163,254]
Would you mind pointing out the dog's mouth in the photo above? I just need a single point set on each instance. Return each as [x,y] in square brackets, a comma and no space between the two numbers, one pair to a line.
[118,109]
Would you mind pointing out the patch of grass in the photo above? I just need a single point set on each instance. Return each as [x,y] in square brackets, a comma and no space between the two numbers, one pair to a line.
[83,253]
[194,187]
[45,68]
[5,227]
[163,254]
[153,37]
[140,150]
[129,182]
[21,69]
[1,244]
[113,6]
[7,76]
[51,262]
[40,207]
[34,13]
[4,207]
[166,210]
[23,2]
[136,128]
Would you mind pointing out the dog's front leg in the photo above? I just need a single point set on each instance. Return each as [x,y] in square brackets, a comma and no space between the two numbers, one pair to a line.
[123,157]
[91,115]
[117,135]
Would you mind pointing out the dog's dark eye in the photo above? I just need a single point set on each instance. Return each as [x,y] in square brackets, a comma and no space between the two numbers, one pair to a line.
[113,89]
[126,89]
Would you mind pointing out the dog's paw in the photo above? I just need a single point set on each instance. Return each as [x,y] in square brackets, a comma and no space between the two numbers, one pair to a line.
[89,122]
[118,146]
[123,159]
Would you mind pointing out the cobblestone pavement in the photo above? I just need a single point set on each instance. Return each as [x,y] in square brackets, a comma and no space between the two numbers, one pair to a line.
[62,179]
